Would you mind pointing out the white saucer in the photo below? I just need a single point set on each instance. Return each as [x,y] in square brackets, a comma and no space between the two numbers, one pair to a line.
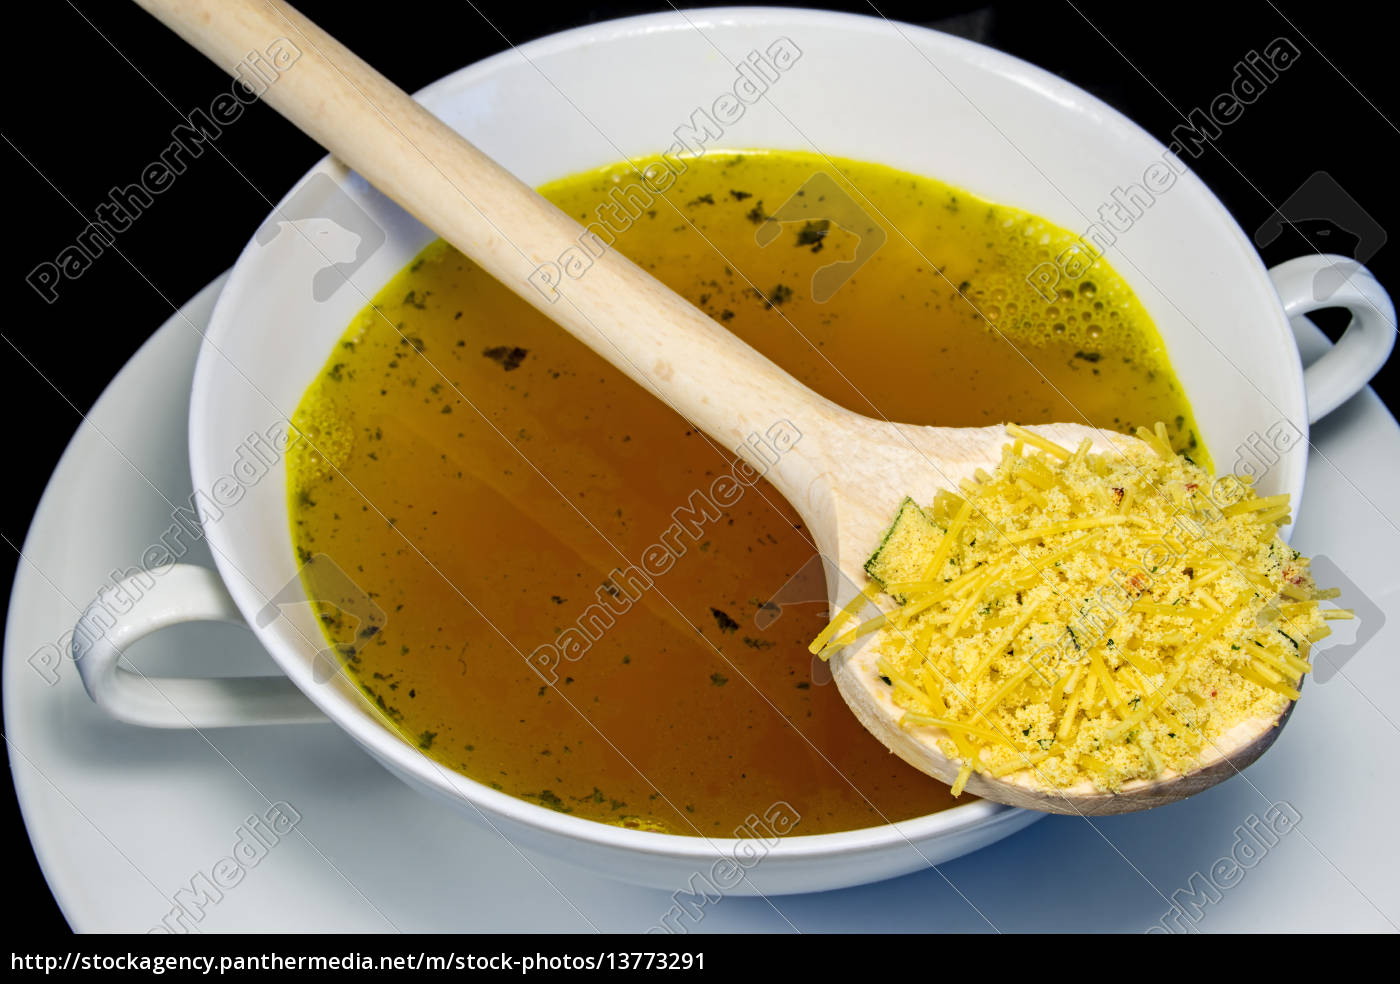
[123,818]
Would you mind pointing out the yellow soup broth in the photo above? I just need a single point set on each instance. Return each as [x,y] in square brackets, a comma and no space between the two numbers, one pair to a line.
[481,475]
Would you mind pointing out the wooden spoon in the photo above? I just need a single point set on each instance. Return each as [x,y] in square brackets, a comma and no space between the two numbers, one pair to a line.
[844,473]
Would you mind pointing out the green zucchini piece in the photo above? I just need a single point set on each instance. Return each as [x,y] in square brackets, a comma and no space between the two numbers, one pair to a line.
[905,548]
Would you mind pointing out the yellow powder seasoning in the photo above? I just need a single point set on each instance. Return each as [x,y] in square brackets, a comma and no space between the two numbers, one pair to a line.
[1090,617]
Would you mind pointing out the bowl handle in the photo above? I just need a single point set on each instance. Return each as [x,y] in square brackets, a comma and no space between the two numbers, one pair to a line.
[1310,283]
[181,593]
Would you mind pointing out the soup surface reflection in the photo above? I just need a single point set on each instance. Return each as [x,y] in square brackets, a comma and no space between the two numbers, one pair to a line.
[481,477]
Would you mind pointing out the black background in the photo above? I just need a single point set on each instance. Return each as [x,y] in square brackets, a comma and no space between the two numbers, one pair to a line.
[96,88]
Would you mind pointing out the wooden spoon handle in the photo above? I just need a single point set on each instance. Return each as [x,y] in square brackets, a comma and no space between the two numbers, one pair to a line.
[621,312]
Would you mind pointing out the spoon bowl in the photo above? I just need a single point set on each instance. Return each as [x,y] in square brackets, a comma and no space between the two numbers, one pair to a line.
[870,466]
